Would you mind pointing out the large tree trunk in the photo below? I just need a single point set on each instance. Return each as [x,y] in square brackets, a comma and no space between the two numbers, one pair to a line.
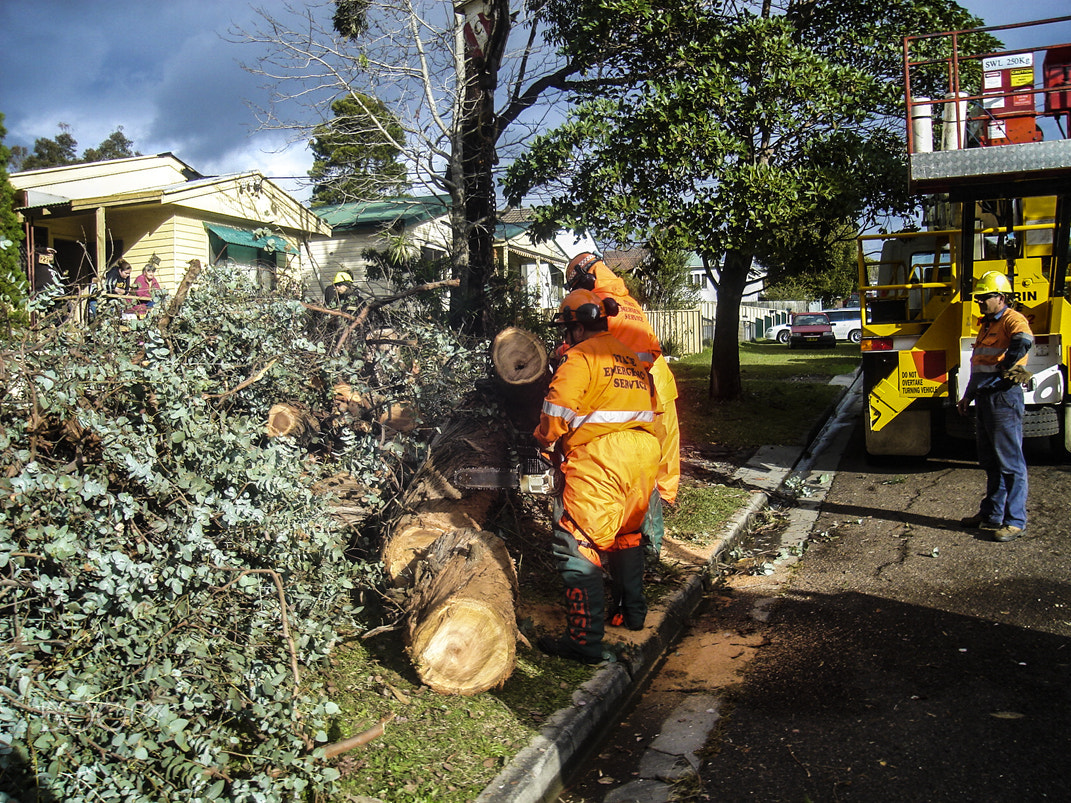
[460,618]
[462,629]
[725,357]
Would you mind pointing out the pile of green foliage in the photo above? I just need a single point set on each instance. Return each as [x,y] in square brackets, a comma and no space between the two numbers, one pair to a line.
[169,579]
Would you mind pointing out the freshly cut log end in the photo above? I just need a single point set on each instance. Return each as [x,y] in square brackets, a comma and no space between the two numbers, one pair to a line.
[292,420]
[462,625]
[518,356]
[400,417]
[464,648]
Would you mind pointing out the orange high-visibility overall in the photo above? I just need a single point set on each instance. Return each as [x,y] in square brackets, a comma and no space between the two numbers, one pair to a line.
[632,328]
[599,404]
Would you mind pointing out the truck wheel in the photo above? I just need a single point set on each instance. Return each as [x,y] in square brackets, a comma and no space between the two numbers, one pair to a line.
[855,336]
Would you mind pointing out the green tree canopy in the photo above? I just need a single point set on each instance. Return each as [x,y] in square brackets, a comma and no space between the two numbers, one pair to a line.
[13,285]
[662,279]
[733,130]
[63,150]
[356,155]
[116,146]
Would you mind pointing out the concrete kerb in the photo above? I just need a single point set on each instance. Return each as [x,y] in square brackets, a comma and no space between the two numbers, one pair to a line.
[538,771]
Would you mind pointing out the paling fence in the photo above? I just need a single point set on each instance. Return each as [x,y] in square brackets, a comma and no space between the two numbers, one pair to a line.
[688,331]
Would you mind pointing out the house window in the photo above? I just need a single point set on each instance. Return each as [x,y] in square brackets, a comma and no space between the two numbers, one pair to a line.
[261,264]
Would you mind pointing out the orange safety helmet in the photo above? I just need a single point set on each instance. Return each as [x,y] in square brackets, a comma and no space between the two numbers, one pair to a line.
[578,273]
[584,307]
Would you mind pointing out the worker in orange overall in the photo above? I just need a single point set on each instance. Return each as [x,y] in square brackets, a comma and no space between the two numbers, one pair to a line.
[599,410]
[633,329]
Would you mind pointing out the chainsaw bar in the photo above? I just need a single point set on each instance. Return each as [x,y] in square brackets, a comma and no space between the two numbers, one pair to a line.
[486,477]
[546,481]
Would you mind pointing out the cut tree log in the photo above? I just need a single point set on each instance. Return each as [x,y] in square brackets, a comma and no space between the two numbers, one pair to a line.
[520,364]
[289,418]
[462,628]
[460,615]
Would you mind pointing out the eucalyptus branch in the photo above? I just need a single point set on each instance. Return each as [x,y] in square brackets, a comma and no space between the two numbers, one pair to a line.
[255,377]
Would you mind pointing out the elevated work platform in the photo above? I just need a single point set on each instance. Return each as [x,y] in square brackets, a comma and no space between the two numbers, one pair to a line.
[1029,168]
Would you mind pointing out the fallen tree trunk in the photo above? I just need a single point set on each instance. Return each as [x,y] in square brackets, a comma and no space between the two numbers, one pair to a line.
[520,363]
[462,629]
[460,616]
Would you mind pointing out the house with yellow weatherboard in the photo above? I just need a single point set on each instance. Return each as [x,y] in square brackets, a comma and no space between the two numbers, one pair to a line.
[158,208]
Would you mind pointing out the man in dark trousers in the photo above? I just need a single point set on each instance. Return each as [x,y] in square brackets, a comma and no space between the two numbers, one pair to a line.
[997,373]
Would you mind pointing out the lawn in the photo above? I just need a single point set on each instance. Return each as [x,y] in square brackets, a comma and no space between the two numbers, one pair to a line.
[785,393]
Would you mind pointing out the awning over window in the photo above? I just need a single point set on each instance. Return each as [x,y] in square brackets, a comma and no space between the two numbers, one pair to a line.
[272,242]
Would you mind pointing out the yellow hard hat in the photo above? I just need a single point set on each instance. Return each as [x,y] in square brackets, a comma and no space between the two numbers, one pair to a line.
[992,282]
[343,277]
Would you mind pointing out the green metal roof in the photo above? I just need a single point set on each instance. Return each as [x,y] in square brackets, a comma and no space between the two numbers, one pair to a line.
[272,242]
[376,214]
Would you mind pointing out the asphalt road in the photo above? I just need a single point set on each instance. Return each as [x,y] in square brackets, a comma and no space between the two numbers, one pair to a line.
[908,659]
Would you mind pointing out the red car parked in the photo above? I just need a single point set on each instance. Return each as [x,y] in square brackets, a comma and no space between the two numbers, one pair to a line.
[811,329]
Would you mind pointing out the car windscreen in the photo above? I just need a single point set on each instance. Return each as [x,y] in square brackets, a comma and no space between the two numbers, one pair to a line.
[811,320]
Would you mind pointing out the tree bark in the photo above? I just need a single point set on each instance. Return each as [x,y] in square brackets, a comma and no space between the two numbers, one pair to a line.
[725,357]
[462,628]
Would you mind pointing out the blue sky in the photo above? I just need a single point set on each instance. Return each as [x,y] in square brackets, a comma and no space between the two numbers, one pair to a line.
[165,73]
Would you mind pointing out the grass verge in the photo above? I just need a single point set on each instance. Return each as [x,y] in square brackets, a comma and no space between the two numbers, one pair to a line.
[785,393]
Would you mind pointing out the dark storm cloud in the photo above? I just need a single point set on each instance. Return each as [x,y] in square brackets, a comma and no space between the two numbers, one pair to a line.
[200,103]
[162,71]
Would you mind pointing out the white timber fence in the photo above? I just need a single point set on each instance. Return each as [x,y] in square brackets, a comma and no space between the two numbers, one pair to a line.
[689,331]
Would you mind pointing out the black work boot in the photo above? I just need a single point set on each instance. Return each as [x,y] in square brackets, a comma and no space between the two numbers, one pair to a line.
[584,629]
[626,575]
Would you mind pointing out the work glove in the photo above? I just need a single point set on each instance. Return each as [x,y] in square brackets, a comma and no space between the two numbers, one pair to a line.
[1017,374]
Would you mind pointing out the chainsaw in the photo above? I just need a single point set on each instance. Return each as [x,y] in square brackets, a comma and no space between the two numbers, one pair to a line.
[531,473]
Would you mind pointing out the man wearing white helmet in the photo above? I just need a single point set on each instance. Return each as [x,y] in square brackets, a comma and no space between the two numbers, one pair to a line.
[995,386]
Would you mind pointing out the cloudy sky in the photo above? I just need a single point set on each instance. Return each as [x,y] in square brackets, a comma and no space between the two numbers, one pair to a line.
[166,73]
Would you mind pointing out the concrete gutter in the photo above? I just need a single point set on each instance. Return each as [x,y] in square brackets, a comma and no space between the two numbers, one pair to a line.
[538,772]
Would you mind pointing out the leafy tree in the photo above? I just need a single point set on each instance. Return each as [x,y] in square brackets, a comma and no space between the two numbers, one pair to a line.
[734,128]
[819,265]
[662,279]
[356,154]
[63,150]
[116,146]
[13,284]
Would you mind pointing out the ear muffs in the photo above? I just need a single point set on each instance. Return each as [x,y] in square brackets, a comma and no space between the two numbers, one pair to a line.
[611,306]
[586,313]
[582,281]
